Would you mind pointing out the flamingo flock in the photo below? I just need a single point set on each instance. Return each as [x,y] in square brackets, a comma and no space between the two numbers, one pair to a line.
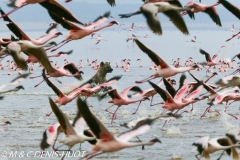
[175,95]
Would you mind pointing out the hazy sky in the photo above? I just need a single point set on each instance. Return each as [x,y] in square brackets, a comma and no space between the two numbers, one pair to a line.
[86,10]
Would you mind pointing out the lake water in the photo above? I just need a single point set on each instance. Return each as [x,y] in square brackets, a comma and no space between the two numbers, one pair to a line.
[26,109]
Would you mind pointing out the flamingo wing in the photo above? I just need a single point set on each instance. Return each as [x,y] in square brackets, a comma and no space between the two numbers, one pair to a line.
[207,55]
[49,136]
[14,27]
[111,2]
[235,10]
[212,12]
[237,55]
[152,55]
[196,90]
[50,84]
[40,54]
[142,127]
[20,78]
[169,87]
[98,21]
[62,119]
[98,129]
[177,20]
[58,9]
[15,53]
[132,88]
[164,94]
[71,67]
[152,19]
[184,87]
[215,56]
[201,144]
[72,25]
[175,3]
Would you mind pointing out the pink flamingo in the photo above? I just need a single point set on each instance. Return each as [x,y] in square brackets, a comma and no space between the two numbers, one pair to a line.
[233,36]
[5,123]
[108,143]
[77,32]
[226,98]
[62,98]
[127,67]
[51,32]
[120,99]
[164,69]
[53,7]
[210,61]
[209,9]
[80,64]
[74,132]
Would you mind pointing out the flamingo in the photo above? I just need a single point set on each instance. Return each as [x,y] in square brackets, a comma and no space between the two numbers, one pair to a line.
[5,123]
[121,99]
[77,32]
[51,32]
[14,48]
[210,61]
[150,10]
[131,28]
[206,146]
[208,9]
[75,134]
[62,98]
[107,143]
[226,98]
[53,7]
[164,69]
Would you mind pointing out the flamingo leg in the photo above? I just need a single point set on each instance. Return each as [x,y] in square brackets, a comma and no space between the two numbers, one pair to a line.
[35,77]
[221,155]
[114,114]
[164,124]
[93,154]
[39,83]
[108,109]
[137,108]
[13,10]
[61,45]
[140,141]
[205,112]
[53,147]
[145,80]
[163,111]
[207,70]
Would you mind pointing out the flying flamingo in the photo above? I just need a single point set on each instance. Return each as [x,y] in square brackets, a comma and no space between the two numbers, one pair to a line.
[33,59]
[208,9]
[74,135]
[150,11]
[62,98]
[108,143]
[164,69]
[226,98]
[205,146]
[53,7]
[77,32]
[210,61]
[14,49]
[121,99]
[51,32]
